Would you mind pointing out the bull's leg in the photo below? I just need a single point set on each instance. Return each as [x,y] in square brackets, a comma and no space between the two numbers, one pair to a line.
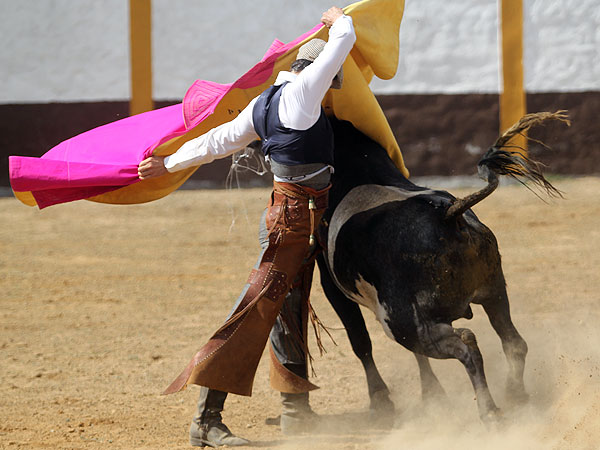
[430,385]
[352,318]
[442,341]
[514,346]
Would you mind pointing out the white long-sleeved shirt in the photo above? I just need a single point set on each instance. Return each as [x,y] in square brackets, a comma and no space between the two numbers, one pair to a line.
[299,106]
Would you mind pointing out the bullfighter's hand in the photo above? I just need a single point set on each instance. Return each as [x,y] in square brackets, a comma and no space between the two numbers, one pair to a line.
[152,167]
[331,15]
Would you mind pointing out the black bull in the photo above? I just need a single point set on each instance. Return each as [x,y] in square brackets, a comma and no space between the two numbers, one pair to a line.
[417,258]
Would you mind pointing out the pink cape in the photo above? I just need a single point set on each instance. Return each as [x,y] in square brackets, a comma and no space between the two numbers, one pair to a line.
[101,164]
[106,158]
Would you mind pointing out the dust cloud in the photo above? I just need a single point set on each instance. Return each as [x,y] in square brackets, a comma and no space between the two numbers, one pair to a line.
[563,411]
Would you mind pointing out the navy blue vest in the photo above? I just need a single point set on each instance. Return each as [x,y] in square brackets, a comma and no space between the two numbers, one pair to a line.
[287,146]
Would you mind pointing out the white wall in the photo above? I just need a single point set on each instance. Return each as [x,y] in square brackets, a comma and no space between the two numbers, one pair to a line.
[562,45]
[63,50]
[74,50]
[221,40]
[447,46]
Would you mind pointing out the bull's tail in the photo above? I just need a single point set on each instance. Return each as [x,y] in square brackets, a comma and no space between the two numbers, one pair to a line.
[498,160]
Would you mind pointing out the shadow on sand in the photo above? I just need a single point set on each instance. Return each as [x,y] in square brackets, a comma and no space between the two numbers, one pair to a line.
[352,428]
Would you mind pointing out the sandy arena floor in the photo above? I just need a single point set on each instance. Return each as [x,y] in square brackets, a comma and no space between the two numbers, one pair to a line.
[102,306]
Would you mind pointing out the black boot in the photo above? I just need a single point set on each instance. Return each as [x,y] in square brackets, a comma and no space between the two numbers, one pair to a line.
[207,427]
[297,417]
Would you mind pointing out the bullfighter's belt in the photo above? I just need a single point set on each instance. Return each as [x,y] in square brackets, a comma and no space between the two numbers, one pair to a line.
[228,361]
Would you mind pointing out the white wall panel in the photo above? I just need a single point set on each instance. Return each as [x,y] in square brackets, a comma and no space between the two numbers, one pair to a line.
[221,40]
[562,45]
[446,46]
[78,50]
[63,50]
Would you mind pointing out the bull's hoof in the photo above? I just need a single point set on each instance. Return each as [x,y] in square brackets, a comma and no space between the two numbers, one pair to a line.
[382,411]
[381,420]
[433,392]
[492,418]
[516,394]
[380,401]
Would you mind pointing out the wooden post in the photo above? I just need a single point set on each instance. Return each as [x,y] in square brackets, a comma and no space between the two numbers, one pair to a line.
[140,47]
[512,99]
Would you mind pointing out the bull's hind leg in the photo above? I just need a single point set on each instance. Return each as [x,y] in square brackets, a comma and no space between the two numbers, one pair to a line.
[352,318]
[514,346]
[430,385]
[442,341]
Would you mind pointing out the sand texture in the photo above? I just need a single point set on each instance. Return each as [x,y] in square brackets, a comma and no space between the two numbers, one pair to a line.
[102,306]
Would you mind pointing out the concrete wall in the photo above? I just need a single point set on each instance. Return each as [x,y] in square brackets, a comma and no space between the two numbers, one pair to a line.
[77,50]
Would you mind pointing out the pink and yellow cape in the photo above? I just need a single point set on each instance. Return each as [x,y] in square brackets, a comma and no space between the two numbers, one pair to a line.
[101,164]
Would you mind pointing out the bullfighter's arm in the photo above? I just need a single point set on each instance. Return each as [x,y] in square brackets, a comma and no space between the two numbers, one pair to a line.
[300,104]
[217,143]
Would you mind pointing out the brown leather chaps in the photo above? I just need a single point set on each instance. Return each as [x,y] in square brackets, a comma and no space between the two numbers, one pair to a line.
[229,360]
